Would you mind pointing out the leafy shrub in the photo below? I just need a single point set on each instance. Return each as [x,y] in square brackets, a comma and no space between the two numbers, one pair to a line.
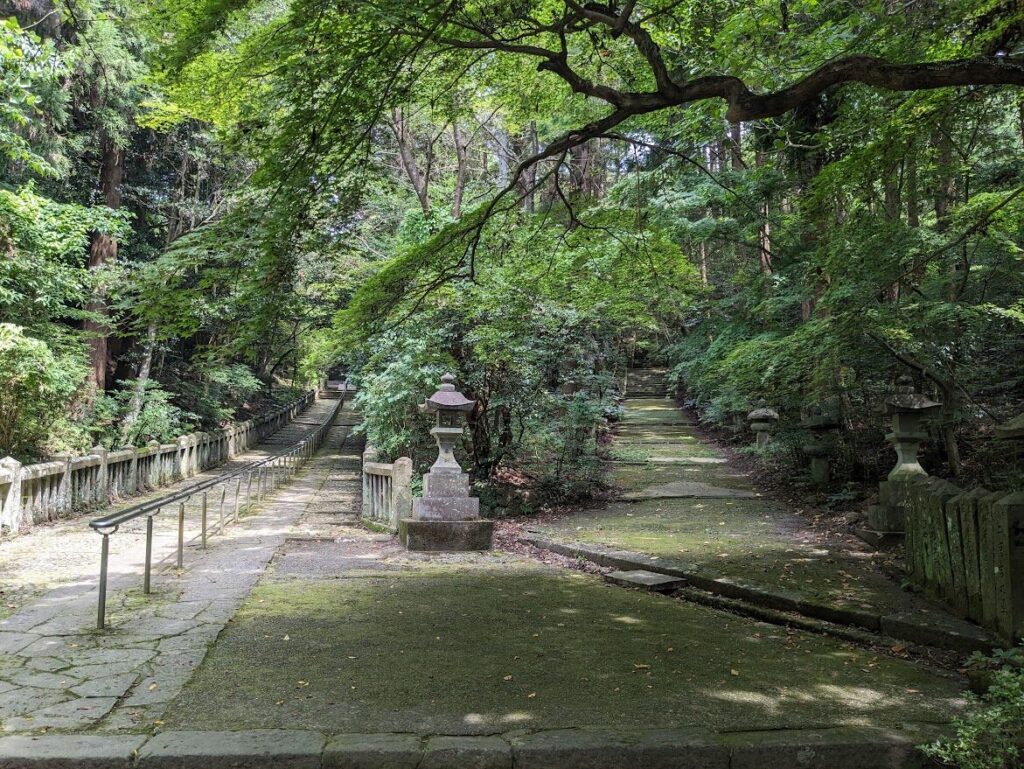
[989,734]
[36,386]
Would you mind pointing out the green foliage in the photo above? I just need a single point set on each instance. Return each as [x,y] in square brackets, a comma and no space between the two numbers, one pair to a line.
[36,386]
[989,734]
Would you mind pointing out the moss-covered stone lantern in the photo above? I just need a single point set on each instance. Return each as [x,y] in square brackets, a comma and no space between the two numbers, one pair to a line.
[446,518]
[762,420]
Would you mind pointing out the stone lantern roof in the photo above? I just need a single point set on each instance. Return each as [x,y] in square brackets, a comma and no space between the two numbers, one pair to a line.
[1014,429]
[447,398]
[762,413]
[907,399]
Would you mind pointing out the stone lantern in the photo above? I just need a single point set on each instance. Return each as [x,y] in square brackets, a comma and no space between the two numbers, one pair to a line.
[446,518]
[907,409]
[761,421]
[819,447]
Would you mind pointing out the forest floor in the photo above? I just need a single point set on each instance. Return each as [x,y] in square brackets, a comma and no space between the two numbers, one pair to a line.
[301,622]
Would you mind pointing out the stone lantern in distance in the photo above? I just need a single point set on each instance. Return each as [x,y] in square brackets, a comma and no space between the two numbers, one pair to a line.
[762,419]
[446,518]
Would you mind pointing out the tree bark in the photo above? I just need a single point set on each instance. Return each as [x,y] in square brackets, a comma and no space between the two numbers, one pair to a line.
[461,171]
[103,250]
[420,181]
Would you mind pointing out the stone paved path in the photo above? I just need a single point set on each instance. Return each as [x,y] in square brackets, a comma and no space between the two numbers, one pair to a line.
[65,554]
[299,638]
[57,672]
[686,506]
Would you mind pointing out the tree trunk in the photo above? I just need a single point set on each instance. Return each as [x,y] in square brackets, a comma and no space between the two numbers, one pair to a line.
[462,170]
[419,180]
[102,250]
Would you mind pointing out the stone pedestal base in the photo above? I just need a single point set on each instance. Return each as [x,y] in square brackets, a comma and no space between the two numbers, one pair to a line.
[880,539]
[445,536]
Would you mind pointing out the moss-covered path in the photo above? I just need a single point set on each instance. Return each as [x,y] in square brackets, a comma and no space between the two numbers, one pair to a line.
[683,503]
[348,633]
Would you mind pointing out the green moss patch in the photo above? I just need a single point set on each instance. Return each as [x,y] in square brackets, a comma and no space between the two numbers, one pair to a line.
[487,650]
[751,540]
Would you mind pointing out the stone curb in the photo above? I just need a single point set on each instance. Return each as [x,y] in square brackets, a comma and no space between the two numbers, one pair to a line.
[583,748]
[905,627]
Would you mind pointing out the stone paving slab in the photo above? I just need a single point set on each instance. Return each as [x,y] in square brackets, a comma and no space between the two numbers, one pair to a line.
[645,580]
[373,751]
[688,490]
[254,749]
[68,751]
[585,748]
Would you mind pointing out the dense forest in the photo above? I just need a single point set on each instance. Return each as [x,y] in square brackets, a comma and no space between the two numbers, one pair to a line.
[205,204]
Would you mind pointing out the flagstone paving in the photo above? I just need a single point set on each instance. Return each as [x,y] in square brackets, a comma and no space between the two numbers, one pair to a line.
[57,672]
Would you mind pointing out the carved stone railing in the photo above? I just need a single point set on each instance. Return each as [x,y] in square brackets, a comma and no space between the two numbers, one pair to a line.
[966,548]
[387,490]
[31,494]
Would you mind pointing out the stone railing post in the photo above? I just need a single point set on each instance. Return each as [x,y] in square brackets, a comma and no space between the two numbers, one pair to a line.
[10,513]
[401,491]
[369,455]
[156,464]
[64,490]
[133,471]
[1009,566]
[180,469]
[101,492]
[762,420]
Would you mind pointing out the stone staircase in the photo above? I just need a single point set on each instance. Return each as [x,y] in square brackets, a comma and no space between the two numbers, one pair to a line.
[647,383]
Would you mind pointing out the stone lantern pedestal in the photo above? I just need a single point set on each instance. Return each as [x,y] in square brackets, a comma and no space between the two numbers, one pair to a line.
[820,445]
[907,408]
[446,518]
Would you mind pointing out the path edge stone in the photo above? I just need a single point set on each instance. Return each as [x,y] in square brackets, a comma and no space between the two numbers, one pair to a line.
[902,627]
[571,748]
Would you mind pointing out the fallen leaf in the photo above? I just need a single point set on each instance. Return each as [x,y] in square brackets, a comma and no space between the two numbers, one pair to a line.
[531,695]
[152,686]
[734,672]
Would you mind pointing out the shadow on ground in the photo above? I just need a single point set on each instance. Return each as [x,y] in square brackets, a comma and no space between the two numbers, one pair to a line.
[499,645]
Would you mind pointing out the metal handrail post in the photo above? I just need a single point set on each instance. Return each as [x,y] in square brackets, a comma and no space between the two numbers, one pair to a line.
[101,611]
[181,535]
[149,554]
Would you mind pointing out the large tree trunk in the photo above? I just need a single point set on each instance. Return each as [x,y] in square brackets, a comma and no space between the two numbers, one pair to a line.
[103,250]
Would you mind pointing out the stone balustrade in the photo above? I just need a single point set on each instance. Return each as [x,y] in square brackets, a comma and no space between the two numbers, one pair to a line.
[966,549]
[31,494]
[387,490]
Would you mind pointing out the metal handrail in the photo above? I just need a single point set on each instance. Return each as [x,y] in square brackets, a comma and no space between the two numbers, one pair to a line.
[287,461]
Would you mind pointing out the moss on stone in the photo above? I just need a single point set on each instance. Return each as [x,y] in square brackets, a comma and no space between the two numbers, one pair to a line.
[480,650]
[751,540]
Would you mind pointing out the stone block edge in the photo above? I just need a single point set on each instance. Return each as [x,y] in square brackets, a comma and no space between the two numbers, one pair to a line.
[870,621]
